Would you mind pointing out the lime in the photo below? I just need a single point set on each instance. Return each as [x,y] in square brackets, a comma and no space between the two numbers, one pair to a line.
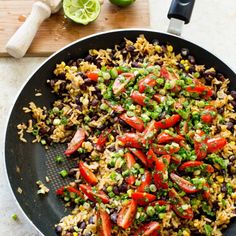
[122,3]
[82,11]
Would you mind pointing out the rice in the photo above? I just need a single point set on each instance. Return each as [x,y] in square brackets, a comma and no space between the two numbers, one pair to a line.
[84,103]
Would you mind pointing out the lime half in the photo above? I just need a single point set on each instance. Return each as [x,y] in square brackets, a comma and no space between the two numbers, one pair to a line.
[82,11]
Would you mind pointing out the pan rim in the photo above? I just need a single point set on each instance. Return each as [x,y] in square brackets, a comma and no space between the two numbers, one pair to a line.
[46,61]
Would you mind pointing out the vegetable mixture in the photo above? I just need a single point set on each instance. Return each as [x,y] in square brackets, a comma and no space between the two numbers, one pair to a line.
[154,136]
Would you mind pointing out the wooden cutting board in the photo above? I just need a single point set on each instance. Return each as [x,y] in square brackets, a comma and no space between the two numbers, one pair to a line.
[57,31]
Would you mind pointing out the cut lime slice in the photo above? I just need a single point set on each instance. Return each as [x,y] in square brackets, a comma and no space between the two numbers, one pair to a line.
[82,11]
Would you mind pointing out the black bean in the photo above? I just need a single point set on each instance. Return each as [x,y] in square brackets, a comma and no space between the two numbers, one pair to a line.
[72,172]
[209,73]
[219,76]
[116,190]
[82,225]
[191,59]
[94,102]
[104,189]
[232,120]
[88,82]
[119,170]
[83,87]
[208,80]
[92,204]
[58,229]
[155,41]
[95,117]
[83,155]
[181,66]
[233,103]
[191,69]
[62,86]
[114,217]
[233,94]
[70,62]
[135,64]
[223,187]
[89,58]
[184,52]
[123,123]
[91,220]
[78,61]
[221,110]
[101,127]
[229,125]
[43,131]
[62,76]
[112,148]
[82,75]
[232,158]
[218,130]
[123,187]
[130,48]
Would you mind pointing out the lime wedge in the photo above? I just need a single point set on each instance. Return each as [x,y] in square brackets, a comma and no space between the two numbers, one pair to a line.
[82,11]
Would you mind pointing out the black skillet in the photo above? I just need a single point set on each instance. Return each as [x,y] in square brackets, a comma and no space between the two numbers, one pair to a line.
[27,163]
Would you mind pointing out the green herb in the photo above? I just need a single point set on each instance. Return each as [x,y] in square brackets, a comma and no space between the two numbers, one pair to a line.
[150,211]
[59,159]
[64,120]
[218,160]
[229,188]
[63,173]
[208,229]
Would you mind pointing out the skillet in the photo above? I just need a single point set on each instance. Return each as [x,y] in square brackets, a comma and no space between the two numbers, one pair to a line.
[27,163]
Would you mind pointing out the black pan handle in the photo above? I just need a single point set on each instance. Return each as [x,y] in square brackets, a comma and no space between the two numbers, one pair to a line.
[181,9]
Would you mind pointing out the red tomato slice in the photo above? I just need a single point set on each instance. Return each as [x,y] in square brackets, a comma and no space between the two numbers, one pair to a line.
[151,158]
[116,107]
[149,133]
[165,137]
[159,98]
[200,145]
[168,122]
[140,155]
[149,229]
[190,164]
[87,174]
[121,82]
[60,191]
[146,82]
[176,159]
[209,114]
[127,214]
[185,185]
[215,144]
[143,199]
[139,98]
[102,139]
[160,175]
[133,121]
[104,225]
[131,140]
[146,181]
[164,149]
[93,75]
[166,74]
[76,142]
[130,161]
[206,192]
[177,202]
[93,195]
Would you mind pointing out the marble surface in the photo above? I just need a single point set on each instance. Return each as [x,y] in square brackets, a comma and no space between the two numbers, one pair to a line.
[212,27]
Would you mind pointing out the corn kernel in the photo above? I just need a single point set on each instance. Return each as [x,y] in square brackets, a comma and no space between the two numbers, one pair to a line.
[129,192]
[234,195]
[75,234]
[186,233]
[186,68]
[158,48]
[169,48]
[220,178]
[220,197]
[182,61]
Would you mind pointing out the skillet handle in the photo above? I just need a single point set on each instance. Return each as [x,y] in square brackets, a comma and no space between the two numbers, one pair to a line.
[179,13]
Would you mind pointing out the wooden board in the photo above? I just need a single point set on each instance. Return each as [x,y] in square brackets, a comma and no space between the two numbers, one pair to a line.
[57,31]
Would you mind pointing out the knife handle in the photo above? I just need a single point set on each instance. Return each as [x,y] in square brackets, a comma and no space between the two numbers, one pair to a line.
[181,9]
[21,40]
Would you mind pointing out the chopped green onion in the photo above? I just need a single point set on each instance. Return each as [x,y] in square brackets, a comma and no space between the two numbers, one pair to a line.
[63,173]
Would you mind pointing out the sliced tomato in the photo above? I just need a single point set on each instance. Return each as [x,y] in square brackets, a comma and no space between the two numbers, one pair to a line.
[185,185]
[139,98]
[151,158]
[149,229]
[76,142]
[70,189]
[127,214]
[168,122]
[206,191]
[142,198]
[116,107]
[166,74]
[160,175]
[176,159]
[159,98]
[140,155]
[133,121]
[121,82]
[60,191]
[149,132]
[104,225]
[165,137]
[93,75]
[177,204]
[165,149]
[207,167]
[146,181]
[94,195]
[87,174]
[200,145]
[130,161]
[209,114]
[148,81]
[131,140]
[215,144]
[102,139]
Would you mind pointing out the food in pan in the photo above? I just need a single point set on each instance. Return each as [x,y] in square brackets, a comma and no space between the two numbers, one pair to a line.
[153,133]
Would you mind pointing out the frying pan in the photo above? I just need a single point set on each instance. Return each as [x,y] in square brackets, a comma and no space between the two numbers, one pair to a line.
[27,163]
